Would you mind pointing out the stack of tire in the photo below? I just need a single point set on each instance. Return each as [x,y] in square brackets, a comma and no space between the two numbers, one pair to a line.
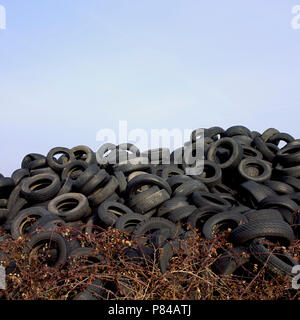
[249,184]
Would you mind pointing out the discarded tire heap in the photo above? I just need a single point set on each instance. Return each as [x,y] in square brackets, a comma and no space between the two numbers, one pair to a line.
[249,184]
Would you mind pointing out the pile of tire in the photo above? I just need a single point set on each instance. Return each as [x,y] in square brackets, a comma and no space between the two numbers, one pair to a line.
[249,184]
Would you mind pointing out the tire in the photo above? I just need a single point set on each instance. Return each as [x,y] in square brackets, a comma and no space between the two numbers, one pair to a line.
[70,206]
[201,215]
[129,221]
[29,158]
[231,260]
[212,174]
[276,138]
[234,158]
[168,251]
[85,177]
[20,222]
[100,154]
[253,193]
[250,152]
[109,212]
[85,154]
[264,214]
[279,202]
[100,178]
[136,198]
[261,146]
[267,134]
[73,170]
[187,188]
[274,263]
[54,164]
[280,188]
[151,202]
[44,221]
[181,213]
[49,237]
[292,181]
[146,179]
[203,199]
[67,187]
[171,171]
[272,229]
[19,175]
[221,218]
[31,187]
[255,170]
[155,224]
[243,140]
[237,130]
[6,187]
[101,194]
[121,181]
[171,205]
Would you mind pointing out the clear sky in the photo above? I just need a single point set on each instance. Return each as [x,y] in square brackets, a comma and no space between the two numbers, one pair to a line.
[69,68]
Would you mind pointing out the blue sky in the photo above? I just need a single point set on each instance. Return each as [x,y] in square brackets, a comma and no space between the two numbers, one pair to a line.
[70,68]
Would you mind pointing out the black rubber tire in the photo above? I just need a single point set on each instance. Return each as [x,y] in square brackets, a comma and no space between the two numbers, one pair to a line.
[253,193]
[47,170]
[103,193]
[203,199]
[18,226]
[212,174]
[201,215]
[265,150]
[85,154]
[235,155]
[237,130]
[51,182]
[6,187]
[19,174]
[44,221]
[110,211]
[146,179]
[49,237]
[231,216]
[121,181]
[155,224]
[279,187]
[264,214]
[79,206]
[292,181]
[231,260]
[100,154]
[73,170]
[255,170]
[270,229]
[84,178]
[181,213]
[3,203]
[136,198]
[170,205]
[267,134]
[171,171]
[187,188]
[243,140]
[282,136]
[290,171]
[129,221]
[100,178]
[67,187]
[29,158]
[54,164]
[168,251]
[271,261]
[250,152]
[152,201]
[279,202]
